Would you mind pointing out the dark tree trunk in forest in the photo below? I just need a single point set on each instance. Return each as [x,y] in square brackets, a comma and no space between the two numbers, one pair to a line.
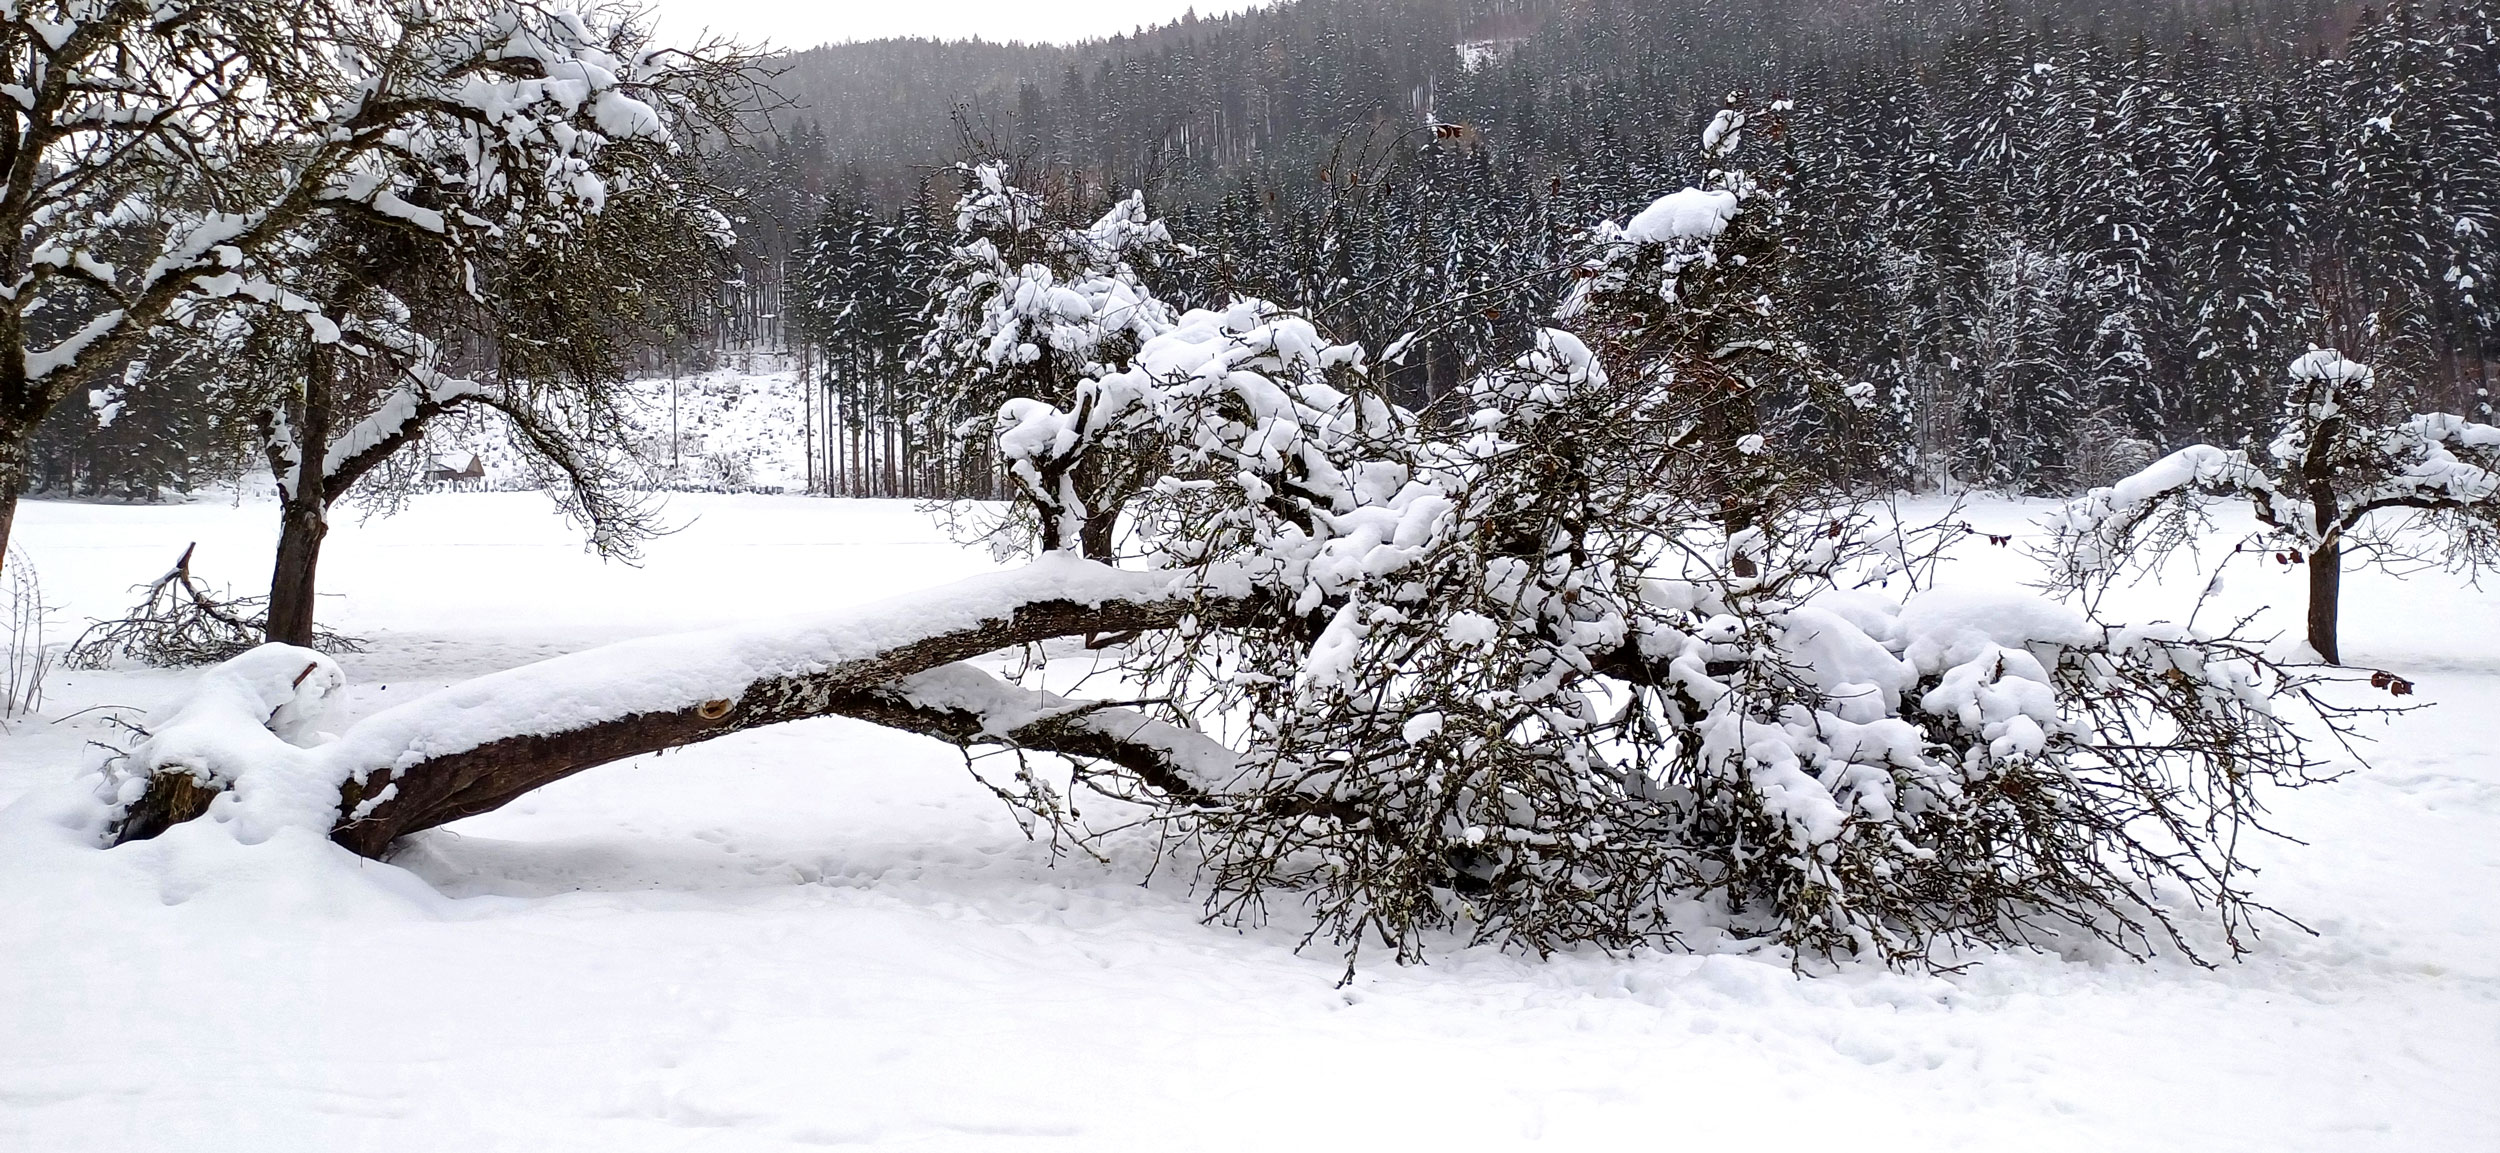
[1441,370]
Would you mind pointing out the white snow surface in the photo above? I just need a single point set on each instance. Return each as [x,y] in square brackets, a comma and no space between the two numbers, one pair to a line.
[829,934]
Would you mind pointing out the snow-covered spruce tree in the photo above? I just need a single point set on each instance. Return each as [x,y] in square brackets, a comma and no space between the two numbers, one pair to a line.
[2119,303]
[1499,678]
[858,293]
[166,151]
[1864,296]
[2240,284]
[2347,475]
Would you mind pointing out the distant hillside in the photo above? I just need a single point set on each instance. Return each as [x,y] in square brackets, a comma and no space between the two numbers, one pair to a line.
[1184,107]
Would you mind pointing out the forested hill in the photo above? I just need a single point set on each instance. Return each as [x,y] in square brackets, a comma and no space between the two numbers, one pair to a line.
[2053,235]
[1191,102]
[2041,227]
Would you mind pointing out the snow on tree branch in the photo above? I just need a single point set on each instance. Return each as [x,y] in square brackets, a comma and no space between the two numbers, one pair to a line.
[166,155]
[440,757]
[2097,535]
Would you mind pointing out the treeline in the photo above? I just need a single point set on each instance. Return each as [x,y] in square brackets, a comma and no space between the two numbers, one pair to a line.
[2050,249]
[2052,236]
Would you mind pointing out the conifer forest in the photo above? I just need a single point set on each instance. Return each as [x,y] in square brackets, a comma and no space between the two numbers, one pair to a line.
[2056,238]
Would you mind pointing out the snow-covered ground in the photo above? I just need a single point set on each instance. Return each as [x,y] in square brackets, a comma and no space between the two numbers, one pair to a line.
[827,934]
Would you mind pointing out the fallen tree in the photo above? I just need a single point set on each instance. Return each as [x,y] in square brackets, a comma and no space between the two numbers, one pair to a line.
[478,745]
[1513,690]
[1544,675]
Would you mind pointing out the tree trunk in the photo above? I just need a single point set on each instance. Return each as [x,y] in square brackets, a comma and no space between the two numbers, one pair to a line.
[13,456]
[1740,477]
[400,771]
[2326,578]
[301,525]
[303,511]
[2326,561]
[400,774]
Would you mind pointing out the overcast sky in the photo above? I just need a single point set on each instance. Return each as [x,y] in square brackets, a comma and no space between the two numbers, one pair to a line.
[807,23]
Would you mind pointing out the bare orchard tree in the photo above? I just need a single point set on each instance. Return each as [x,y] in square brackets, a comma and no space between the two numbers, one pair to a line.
[2345,478]
[163,154]
[531,318]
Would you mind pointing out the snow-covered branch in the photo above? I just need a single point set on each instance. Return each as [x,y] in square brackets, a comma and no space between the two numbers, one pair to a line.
[2096,536]
[423,393]
[961,704]
[476,745]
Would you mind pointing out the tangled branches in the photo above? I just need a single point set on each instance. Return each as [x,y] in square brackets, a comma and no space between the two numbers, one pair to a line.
[1511,682]
[179,623]
[1604,657]
[1596,663]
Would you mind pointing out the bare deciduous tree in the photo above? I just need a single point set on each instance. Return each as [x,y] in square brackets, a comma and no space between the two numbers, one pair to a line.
[2346,478]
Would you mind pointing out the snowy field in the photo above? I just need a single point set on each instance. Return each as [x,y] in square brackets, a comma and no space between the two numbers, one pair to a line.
[828,934]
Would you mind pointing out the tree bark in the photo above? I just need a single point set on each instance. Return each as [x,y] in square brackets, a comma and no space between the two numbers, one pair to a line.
[2326,578]
[303,511]
[454,785]
[2326,560]
[301,525]
[13,455]
[447,789]
[405,787]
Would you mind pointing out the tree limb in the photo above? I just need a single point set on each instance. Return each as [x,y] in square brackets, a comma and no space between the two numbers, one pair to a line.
[475,746]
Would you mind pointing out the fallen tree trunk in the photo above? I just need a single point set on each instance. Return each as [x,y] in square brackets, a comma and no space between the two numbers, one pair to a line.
[956,703]
[475,746]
